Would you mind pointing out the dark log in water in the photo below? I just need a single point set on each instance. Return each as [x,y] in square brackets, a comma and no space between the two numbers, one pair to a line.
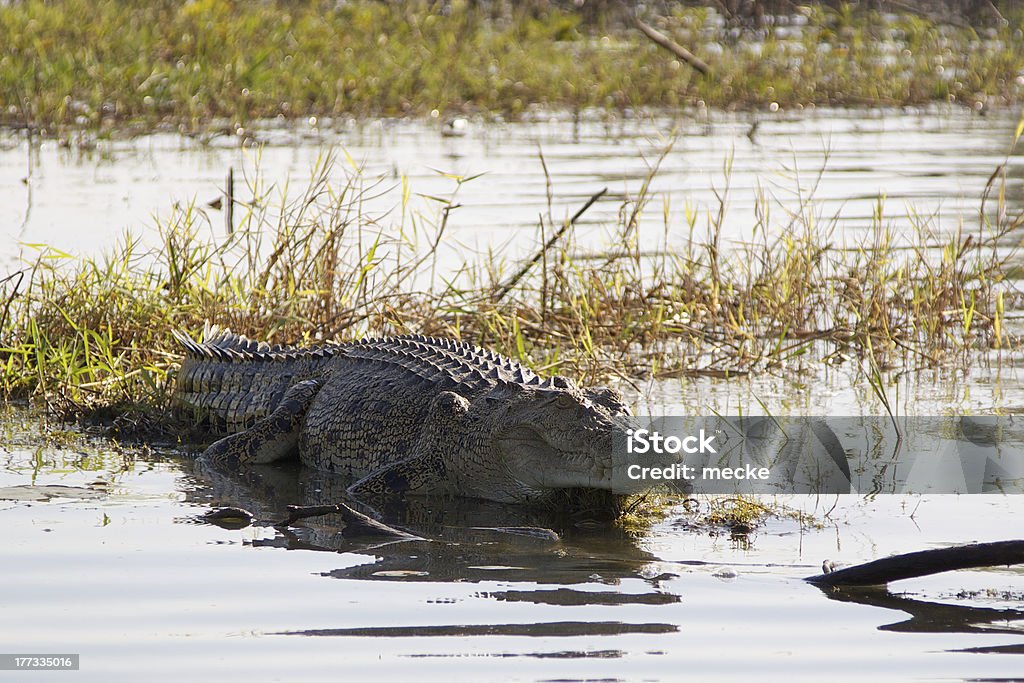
[924,563]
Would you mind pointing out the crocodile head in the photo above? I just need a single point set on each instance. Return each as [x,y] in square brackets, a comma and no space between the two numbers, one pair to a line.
[533,441]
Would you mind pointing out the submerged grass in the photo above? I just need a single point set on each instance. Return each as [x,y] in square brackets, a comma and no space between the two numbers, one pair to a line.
[92,336]
[109,65]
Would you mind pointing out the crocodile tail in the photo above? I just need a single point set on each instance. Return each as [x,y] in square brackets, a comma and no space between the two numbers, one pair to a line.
[235,381]
[192,348]
[219,342]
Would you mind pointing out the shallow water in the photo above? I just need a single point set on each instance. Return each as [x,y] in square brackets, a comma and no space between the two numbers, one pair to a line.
[118,567]
[927,164]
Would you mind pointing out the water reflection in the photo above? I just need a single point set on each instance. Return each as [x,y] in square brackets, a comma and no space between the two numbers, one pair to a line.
[934,617]
[455,539]
[543,630]
[463,542]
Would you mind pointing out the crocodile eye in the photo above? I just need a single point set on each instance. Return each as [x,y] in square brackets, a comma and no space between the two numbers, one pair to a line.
[565,401]
[562,382]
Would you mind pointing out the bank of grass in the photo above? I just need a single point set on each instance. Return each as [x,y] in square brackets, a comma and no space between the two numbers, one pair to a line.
[115,66]
[92,336]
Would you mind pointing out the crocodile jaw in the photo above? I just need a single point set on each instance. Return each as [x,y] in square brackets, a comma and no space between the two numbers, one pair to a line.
[536,463]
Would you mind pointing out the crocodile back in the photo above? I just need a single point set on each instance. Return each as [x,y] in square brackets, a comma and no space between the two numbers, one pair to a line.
[231,381]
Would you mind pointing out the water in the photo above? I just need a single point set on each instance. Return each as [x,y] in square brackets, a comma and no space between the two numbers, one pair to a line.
[120,570]
[119,567]
[926,164]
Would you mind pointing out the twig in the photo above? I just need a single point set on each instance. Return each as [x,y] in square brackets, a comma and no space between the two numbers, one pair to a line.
[229,202]
[948,18]
[995,11]
[356,523]
[504,289]
[14,293]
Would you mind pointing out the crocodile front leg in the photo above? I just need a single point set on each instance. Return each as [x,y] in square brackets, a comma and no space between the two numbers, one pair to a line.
[418,475]
[424,472]
[273,438]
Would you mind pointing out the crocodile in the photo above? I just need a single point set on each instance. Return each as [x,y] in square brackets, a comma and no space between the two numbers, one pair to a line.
[402,414]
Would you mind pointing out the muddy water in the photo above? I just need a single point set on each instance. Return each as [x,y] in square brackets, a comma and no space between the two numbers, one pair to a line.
[103,552]
[928,164]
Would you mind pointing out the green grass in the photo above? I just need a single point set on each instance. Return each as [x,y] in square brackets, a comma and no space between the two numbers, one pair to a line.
[115,66]
[93,335]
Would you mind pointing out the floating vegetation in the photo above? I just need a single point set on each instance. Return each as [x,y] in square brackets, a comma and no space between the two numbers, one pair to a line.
[743,514]
[739,514]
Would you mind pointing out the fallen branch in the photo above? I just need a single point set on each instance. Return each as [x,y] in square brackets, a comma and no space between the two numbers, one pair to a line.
[527,531]
[663,41]
[357,525]
[923,563]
